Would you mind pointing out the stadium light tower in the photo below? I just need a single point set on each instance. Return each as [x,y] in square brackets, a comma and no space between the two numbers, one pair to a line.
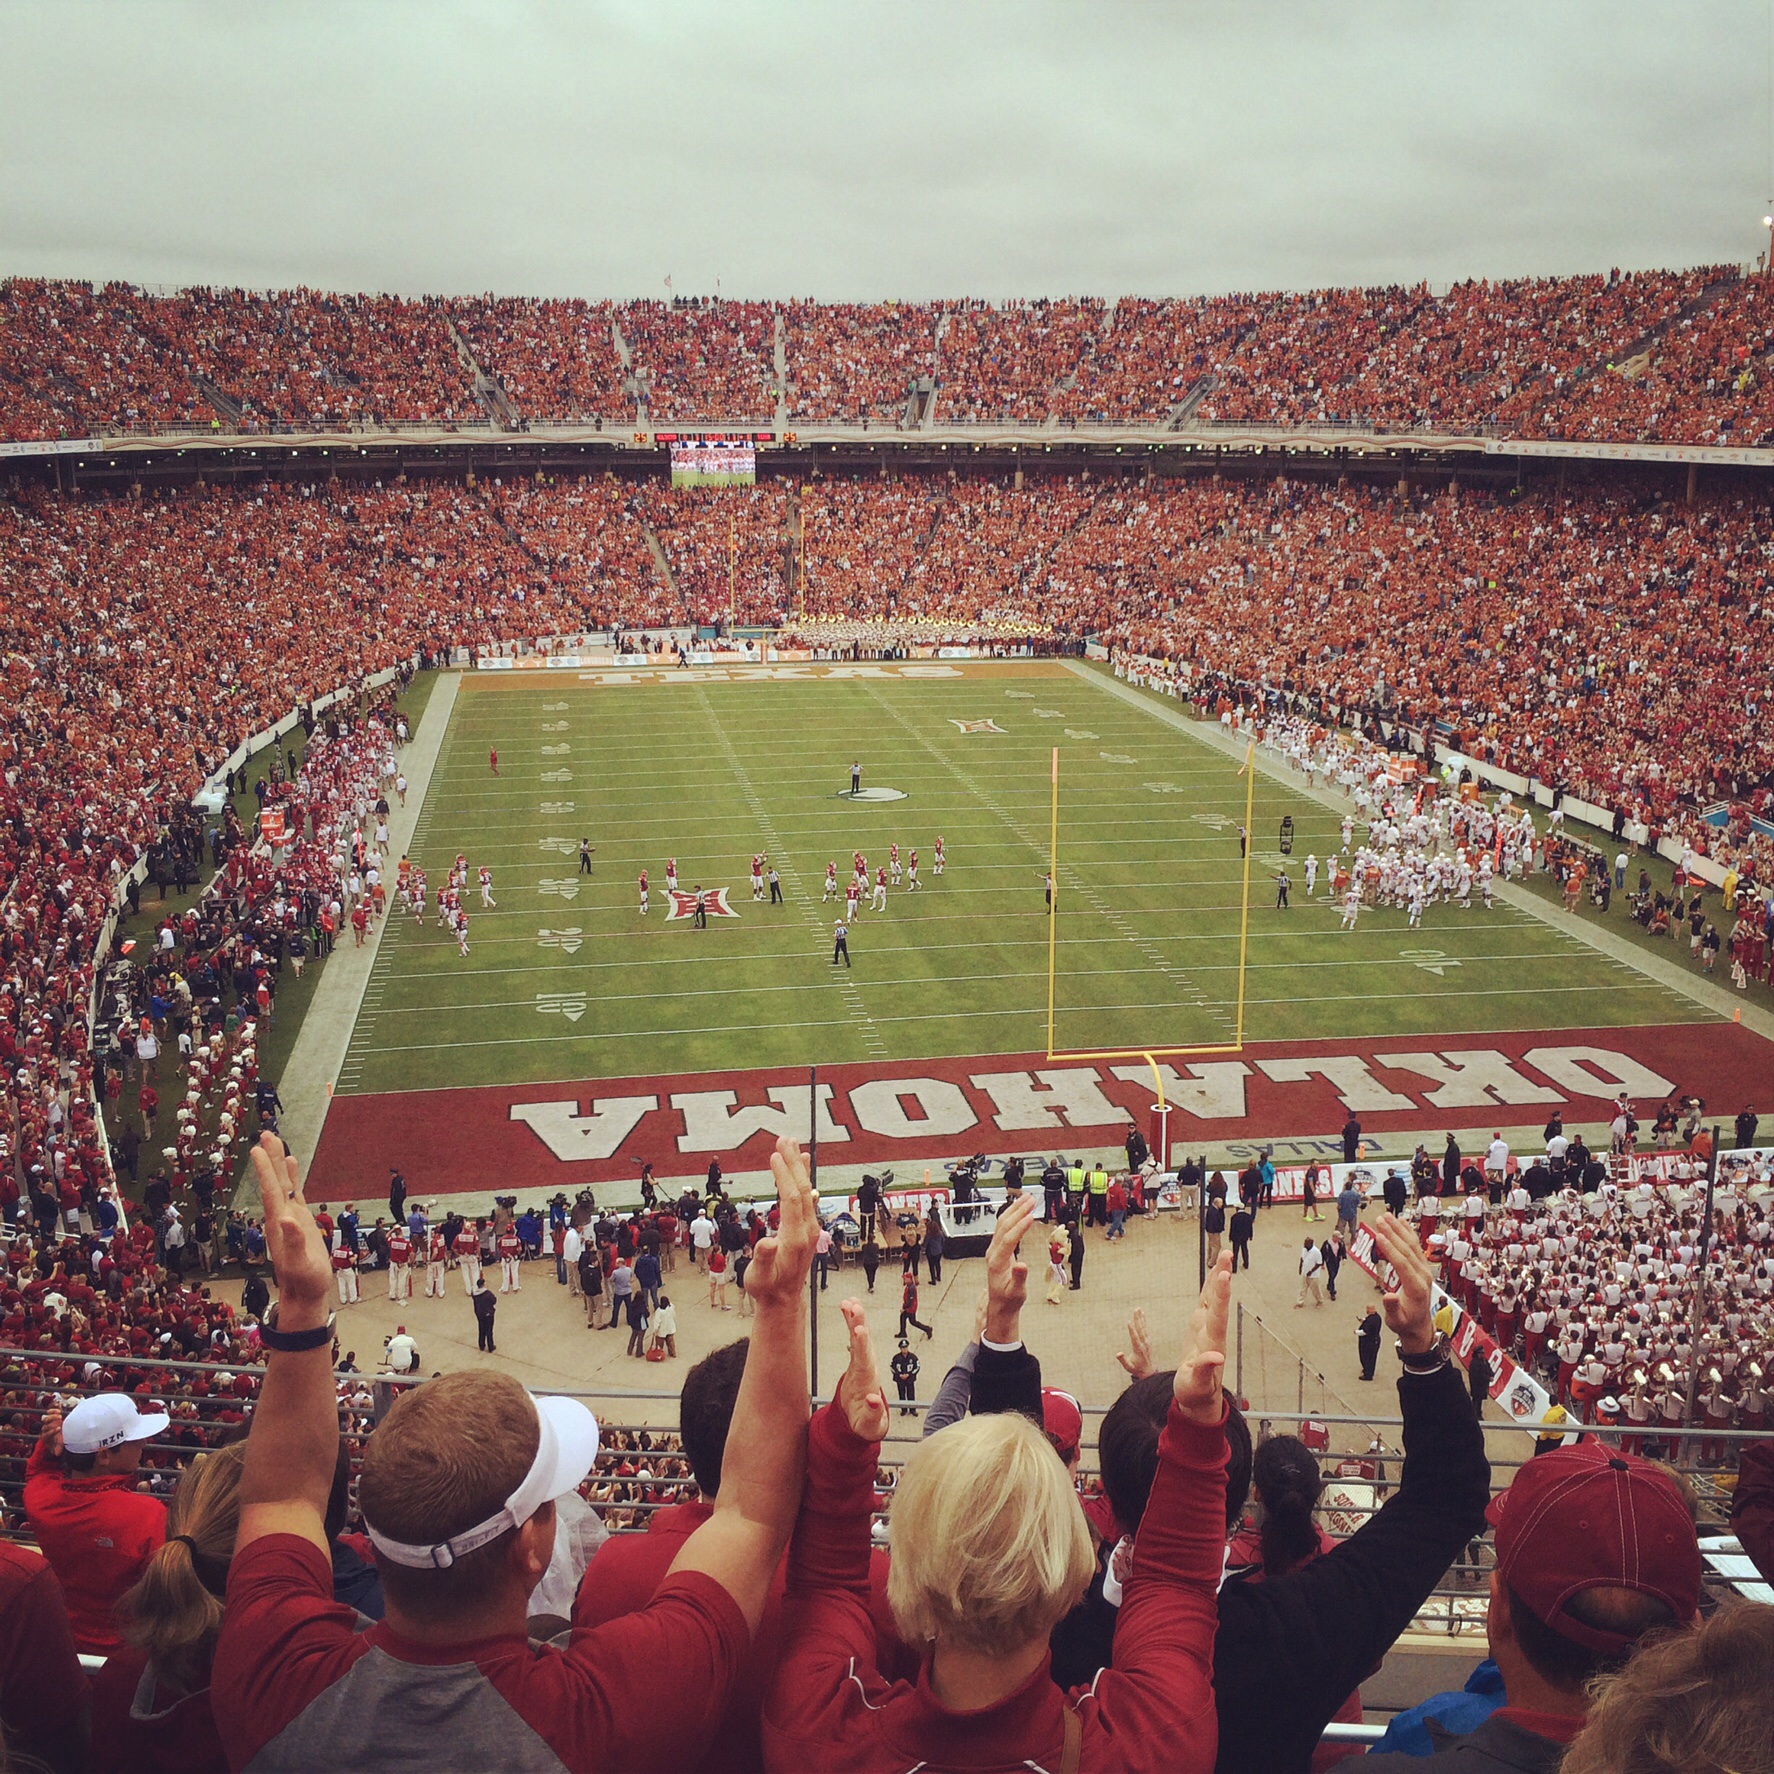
[1768,256]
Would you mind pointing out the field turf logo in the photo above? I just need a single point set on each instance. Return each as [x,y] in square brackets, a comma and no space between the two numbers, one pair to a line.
[976,726]
[714,902]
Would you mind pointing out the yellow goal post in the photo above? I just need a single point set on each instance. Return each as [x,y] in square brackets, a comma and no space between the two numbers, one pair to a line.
[1150,1054]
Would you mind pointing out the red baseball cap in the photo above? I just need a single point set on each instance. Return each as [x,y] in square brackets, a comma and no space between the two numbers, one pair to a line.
[1063,1420]
[1592,1517]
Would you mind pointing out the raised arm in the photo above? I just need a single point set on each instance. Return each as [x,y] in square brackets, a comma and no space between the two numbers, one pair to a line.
[1006,1377]
[1160,1687]
[1333,1620]
[293,1445]
[831,1543]
[741,1544]
[1136,1359]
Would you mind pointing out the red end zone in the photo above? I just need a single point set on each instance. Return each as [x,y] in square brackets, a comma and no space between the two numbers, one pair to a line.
[559,1136]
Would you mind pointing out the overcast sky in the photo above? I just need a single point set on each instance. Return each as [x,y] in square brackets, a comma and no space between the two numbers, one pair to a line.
[852,151]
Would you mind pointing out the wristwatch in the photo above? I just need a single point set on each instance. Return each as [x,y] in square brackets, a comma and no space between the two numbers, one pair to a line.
[294,1342]
[1437,1355]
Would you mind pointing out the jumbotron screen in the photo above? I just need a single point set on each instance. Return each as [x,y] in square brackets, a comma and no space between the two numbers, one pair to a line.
[714,462]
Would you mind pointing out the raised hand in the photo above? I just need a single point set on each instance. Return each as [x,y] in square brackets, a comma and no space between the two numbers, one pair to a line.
[1007,1280]
[51,1431]
[1197,1389]
[293,1241]
[1409,1304]
[860,1395]
[777,1277]
[1136,1359]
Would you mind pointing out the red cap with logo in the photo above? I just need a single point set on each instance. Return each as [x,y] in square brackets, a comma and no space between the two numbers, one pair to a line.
[1592,1517]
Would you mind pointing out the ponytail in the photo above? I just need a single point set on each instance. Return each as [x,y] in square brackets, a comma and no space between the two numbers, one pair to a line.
[174,1612]
[1288,1486]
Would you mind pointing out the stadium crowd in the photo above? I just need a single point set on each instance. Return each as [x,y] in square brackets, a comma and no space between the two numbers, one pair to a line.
[1529,633]
[855,362]
[554,359]
[251,1594]
[1585,1281]
[711,360]
[1676,356]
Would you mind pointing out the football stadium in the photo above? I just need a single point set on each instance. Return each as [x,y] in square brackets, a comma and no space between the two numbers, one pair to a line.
[1188,878]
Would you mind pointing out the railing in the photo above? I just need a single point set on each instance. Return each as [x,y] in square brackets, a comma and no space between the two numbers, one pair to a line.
[1348,1437]
[1455,1608]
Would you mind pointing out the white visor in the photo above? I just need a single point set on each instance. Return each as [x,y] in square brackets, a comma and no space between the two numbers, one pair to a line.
[565,1449]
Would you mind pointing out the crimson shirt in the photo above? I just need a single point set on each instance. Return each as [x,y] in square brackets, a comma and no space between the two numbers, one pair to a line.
[831,1707]
[626,1572]
[42,1686]
[98,1533]
[139,1726]
[297,1687]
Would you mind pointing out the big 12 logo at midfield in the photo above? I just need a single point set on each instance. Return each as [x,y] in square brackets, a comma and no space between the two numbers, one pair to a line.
[679,904]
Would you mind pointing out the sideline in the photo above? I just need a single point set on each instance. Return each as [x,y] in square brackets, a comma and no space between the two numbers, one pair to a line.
[1713,998]
[319,1052]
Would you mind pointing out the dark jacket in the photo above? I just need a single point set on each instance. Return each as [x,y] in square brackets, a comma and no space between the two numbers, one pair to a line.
[485,1305]
[1498,1746]
[1314,1636]
[1752,1505]
[1290,1650]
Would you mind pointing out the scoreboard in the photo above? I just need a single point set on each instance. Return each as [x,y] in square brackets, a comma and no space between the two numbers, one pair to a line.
[714,462]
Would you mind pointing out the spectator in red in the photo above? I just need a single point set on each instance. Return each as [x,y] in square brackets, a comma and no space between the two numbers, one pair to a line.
[1752,1505]
[80,1502]
[628,1568]
[458,1487]
[44,1703]
[151,1703]
[990,1550]
[1596,1552]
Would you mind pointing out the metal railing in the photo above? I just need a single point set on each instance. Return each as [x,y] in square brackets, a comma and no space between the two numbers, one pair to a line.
[1454,1609]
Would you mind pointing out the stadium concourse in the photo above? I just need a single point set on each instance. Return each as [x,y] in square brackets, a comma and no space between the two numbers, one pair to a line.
[223,703]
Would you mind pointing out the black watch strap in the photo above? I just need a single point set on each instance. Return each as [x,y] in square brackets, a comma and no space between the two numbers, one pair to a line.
[296,1342]
[1436,1356]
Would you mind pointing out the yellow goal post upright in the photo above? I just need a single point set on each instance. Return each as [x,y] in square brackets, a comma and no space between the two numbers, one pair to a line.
[1150,1054]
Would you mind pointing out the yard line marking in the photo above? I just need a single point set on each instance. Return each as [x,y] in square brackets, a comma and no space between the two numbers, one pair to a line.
[1069,879]
[950,1016]
[846,984]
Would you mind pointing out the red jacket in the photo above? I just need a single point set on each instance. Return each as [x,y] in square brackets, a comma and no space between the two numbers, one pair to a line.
[1752,1505]
[42,1686]
[98,1533]
[627,1569]
[172,1734]
[831,1708]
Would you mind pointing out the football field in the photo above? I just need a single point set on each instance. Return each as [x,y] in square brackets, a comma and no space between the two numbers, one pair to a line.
[567,980]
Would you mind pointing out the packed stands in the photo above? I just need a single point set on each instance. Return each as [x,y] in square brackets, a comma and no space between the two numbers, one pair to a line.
[706,361]
[75,360]
[726,555]
[855,362]
[1008,363]
[1666,356]
[555,360]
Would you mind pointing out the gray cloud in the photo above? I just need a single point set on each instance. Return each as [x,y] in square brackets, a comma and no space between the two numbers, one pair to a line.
[865,150]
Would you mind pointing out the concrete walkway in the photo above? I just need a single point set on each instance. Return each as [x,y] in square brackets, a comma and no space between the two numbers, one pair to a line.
[307,1082]
[1716,999]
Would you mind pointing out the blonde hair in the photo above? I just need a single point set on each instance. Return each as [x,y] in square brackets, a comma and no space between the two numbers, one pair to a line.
[1692,1702]
[990,1547]
[173,1614]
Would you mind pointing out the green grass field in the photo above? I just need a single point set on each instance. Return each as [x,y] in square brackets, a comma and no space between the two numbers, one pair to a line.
[711,771]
